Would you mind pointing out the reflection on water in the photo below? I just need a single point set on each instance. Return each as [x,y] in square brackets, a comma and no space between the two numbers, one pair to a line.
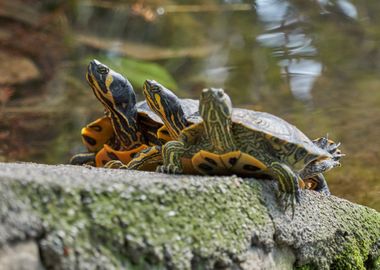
[285,36]
[301,74]
[314,63]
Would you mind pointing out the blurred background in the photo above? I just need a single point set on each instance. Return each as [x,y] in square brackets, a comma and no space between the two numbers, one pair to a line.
[315,63]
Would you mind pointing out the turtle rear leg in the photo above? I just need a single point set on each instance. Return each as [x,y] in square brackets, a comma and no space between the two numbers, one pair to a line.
[83,159]
[288,183]
[330,146]
[318,166]
[171,154]
[317,183]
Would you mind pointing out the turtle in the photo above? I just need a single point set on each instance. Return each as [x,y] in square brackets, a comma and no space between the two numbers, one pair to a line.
[127,127]
[176,114]
[248,143]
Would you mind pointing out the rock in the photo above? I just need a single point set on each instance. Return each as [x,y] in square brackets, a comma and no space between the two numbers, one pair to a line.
[85,218]
[23,256]
[16,69]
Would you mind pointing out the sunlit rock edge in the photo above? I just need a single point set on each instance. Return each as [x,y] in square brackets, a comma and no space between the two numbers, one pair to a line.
[75,217]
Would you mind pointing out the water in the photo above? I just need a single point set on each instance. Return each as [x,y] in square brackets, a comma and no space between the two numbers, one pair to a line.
[314,63]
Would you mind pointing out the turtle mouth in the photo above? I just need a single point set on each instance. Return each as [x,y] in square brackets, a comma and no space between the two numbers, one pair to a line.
[215,102]
[206,94]
[151,87]
[149,83]
[214,96]
[95,67]
[213,93]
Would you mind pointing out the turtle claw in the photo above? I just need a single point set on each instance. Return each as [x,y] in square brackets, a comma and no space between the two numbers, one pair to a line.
[289,200]
[335,163]
[330,146]
[170,169]
[115,164]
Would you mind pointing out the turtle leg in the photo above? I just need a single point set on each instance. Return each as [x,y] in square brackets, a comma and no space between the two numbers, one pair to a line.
[317,183]
[83,159]
[318,166]
[288,183]
[314,169]
[107,153]
[147,160]
[312,175]
[330,146]
[171,154]
[163,134]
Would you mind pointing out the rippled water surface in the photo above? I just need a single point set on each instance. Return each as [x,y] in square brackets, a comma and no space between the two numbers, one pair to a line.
[314,63]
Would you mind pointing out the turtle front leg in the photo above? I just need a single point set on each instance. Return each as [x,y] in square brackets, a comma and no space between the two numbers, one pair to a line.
[107,154]
[171,154]
[147,160]
[287,184]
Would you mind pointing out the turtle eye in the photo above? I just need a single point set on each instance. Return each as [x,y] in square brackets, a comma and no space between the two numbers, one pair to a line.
[102,70]
[220,93]
[155,89]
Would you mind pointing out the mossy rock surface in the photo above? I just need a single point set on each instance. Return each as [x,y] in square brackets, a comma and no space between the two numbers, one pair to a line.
[113,219]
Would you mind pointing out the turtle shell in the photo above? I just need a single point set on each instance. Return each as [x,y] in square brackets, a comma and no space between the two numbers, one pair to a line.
[150,122]
[191,109]
[146,113]
[278,131]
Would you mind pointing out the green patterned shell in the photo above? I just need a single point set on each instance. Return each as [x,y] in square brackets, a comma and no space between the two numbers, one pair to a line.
[276,129]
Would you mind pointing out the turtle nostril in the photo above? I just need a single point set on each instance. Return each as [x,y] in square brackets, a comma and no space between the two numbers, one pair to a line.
[95,62]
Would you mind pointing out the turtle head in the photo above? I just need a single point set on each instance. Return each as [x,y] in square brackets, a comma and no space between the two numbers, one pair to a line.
[216,110]
[118,97]
[113,90]
[215,105]
[166,105]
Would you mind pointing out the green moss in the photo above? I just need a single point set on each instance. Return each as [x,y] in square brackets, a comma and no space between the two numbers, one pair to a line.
[306,267]
[350,258]
[356,248]
[376,263]
[160,226]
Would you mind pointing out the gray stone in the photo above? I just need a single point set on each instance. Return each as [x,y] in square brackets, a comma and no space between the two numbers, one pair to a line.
[22,256]
[86,218]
